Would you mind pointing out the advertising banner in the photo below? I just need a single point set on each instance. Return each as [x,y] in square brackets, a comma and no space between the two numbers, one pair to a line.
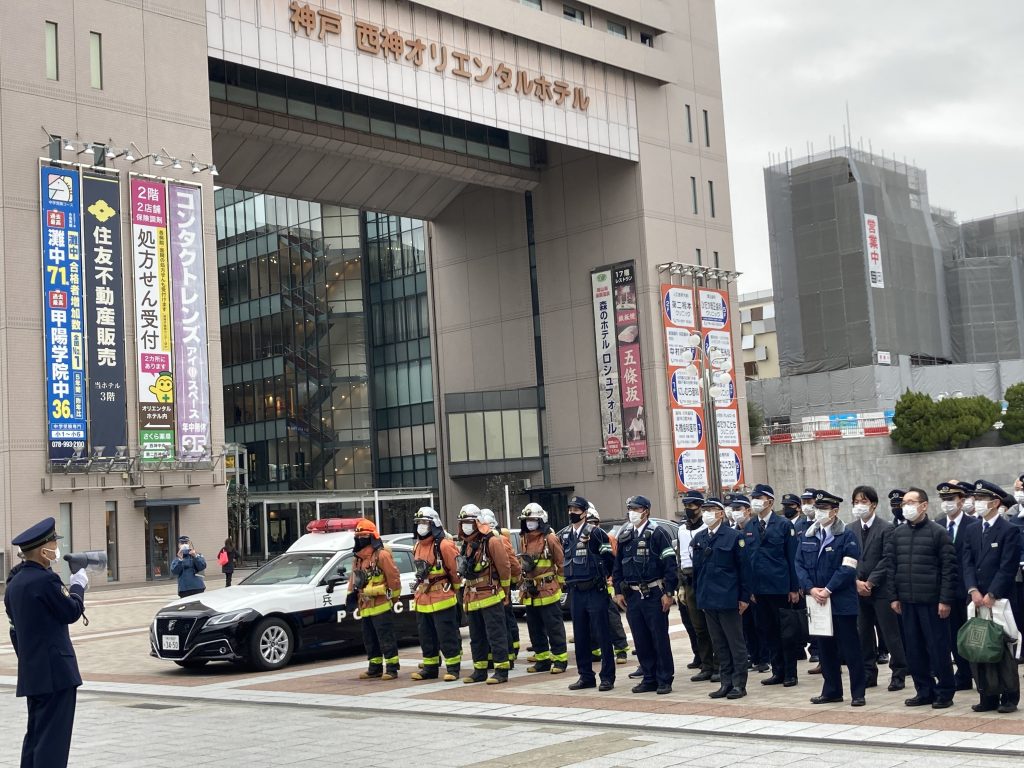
[627,339]
[104,289]
[716,324]
[607,363]
[682,345]
[63,311]
[154,347]
[188,291]
[873,239]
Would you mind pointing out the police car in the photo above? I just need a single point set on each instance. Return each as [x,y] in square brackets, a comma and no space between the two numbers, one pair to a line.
[293,604]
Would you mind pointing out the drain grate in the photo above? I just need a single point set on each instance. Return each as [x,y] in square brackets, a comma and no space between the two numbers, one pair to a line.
[155,706]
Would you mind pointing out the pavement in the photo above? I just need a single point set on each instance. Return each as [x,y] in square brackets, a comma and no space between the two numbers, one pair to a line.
[775,723]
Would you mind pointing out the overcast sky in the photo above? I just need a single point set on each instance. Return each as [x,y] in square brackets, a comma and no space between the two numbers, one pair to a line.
[938,82]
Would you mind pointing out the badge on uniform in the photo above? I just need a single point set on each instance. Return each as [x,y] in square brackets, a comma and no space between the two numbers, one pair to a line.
[743,543]
[64,591]
[828,549]
[995,543]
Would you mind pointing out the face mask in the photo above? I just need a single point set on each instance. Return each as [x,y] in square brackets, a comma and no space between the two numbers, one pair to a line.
[423,529]
[635,516]
[736,515]
[692,513]
[708,518]
[757,505]
[911,512]
[860,511]
[468,528]
[948,507]
[981,507]
[823,518]
[532,525]
[575,517]
[790,512]
[362,542]
[1019,496]
[968,506]
[808,509]
[56,555]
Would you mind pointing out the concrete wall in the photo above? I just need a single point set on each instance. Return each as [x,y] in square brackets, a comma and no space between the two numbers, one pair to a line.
[841,465]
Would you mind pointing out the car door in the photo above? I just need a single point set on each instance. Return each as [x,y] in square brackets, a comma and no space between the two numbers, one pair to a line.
[332,625]
[405,617]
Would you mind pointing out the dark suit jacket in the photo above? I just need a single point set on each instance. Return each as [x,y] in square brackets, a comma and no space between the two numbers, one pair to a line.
[991,558]
[872,566]
[966,523]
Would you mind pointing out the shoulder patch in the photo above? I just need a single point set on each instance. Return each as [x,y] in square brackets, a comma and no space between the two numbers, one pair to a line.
[742,543]
[64,591]
[792,532]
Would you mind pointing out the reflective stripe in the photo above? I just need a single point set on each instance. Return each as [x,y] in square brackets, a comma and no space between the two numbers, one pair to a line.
[375,610]
[666,552]
[378,660]
[596,653]
[479,665]
[435,607]
[431,661]
[450,660]
[486,602]
[506,582]
[543,656]
[559,656]
[606,548]
[392,660]
[515,644]
[538,602]
[501,665]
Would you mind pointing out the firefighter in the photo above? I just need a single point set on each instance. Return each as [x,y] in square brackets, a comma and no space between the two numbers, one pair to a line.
[619,641]
[541,590]
[436,598]
[374,584]
[486,575]
[487,517]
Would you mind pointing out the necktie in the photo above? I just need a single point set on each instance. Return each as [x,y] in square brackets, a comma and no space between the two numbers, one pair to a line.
[951,529]
[866,527]
[985,527]
[762,525]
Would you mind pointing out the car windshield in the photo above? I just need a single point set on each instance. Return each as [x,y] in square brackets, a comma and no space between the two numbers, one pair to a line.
[290,568]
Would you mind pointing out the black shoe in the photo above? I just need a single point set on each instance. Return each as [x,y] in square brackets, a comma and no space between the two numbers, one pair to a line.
[858,702]
[721,693]
[580,684]
[814,670]
[663,689]
[871,682]
[645,688]
[773,680]
[701,677]
[814,658]
[918,701]
[1004,709]
[967,685]
[987,708]
[897,685]
[883,658]
[736,693]
[715,677]
[789,682]
[942,704]
[606,685]
[695,664]
[827,700]
[762,667]
[636,674]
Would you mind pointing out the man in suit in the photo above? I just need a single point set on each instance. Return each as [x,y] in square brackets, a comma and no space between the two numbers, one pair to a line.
[874,592]
[957,523]
[991,553]
[40,608]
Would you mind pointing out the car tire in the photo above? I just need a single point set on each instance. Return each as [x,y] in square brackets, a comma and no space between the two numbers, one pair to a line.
[192,663]
[271,644]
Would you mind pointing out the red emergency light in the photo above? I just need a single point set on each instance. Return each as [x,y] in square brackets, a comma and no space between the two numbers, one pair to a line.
[332,524]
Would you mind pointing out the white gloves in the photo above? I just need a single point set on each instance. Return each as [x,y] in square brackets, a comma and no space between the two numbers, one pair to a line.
[80,578]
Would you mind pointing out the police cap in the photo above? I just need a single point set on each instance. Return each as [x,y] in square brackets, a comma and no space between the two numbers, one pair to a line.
[762,489]
[828,499]
[183,539]
[790,498]
[967,488]
[638,501]
[711,501]
[579,502]
[988,489]
[737,498]
[693,497]
[809,494]
[40,533]
[896,497]
[949,488]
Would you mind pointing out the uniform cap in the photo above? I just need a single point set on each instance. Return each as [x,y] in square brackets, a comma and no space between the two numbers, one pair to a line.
[986,488]
[791,498]
[824,497]
[737,498]
[579,502]
[1008,501]
[40,533]
[809,494]
[896,496]
[183,539]
[638,501]
[762,489]
[949,489]
[367,526]
[711,501]
[693,497]
[967,488]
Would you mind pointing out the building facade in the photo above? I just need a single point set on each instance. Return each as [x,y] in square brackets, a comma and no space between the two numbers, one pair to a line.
[759,340]
[411,204]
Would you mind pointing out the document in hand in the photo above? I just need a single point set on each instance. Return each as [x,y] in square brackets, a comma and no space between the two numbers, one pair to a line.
[819,617]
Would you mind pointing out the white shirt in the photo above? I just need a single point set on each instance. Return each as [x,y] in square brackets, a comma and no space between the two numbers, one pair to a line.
[870,521]
[686,537]
[956,524]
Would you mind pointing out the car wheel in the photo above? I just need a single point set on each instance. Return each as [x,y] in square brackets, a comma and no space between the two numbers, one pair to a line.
[271,644]
[192,663]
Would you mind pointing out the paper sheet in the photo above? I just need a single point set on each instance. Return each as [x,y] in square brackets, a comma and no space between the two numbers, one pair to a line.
[819,617]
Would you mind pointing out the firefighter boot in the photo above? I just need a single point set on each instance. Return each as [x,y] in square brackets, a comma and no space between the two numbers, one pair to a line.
[559,667]
[540,666]
[372,672]
[391,673]
[452,673]
[500,676]
[478,676]
[428,672]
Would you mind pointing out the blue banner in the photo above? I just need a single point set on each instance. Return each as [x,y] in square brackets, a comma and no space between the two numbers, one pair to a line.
[63,310]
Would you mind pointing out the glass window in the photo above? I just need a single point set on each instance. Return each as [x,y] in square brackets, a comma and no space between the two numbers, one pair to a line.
[531,3]
[492,428]
[693,193]
[111,541]
[530,430]
[573,14]
[714,254]
[689,124]
[616,29]
[52,69]
[646,38]
[475,436]
[707,129]
[510,428]
[96,59]
[700,258]
[711,199]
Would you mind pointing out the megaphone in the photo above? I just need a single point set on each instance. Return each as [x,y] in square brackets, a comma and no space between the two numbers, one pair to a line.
[93,562]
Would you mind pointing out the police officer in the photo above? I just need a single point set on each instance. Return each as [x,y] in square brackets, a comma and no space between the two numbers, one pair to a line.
[541,589]
[620,643]
[791,511]
[957,523]
[896,505]
[722,573]
[771,546]
[645,578]
[806,509]
[40,608]
[991,557]
[435,598]
[588,562]
[692,616]
[757,647]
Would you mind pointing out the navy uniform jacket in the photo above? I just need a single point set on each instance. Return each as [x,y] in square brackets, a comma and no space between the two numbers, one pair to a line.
[1018,523]
[588,556]
[801,524]
[966,523]
[772,556]
[645,558]
[991,558]
[40,608]
[721,569]
[832,566]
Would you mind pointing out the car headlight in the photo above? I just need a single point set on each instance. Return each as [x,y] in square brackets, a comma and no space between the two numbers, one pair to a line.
[229,618]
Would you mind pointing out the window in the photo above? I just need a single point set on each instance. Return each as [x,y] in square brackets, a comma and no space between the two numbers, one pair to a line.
[689,125]
[96,59]
[646,38]
[693,193]
[750,369]
[707,130]
[52,71]
[531,3]
[711,197]
[756,313]
[573,14]
[112,541]
[700,259]
[714,254]
[617,29]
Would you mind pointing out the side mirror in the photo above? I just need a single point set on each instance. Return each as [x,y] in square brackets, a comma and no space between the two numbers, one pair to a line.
[334,581]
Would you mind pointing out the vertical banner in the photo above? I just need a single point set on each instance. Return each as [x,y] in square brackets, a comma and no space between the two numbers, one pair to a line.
[154,348]
[63,311]
[188,290]
[873,238]
[682,344]
[716,324]
[627,338]
[104,288]
[607,363]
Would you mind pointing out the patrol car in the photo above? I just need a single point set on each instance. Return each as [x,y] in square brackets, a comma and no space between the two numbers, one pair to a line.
[293,604]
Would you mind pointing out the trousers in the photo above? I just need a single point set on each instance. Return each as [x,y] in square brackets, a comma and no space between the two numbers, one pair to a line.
[547,633]
[705,649]
[439,634]
[590,629]
[649,624]
[842,648]
[726,630]
[512,628]
[379,639]
[957,618]
[488,634]
[930,664]
[48,737]
[782,657]
[874,612]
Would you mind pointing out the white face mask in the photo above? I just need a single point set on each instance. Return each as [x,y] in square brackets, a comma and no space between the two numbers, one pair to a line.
[708,517]
[532,525]
[948,507]
[737,514]
[911,512]
[823,518]
[808,509]
[981,507]
[635,516]
[757,505]
[423,529]
[860,511]
[468,528]
[56,555]
[1019,496]
[968,506]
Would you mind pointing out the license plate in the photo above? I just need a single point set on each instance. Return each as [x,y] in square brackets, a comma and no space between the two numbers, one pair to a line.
[170,643]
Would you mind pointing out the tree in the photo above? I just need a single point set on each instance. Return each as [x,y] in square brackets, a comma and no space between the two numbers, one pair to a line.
[923,424]
[239,520]
[755,420]
[1013,421]
[914,418]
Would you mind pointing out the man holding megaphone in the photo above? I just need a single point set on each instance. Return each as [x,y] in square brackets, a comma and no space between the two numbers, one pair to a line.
[40,608]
